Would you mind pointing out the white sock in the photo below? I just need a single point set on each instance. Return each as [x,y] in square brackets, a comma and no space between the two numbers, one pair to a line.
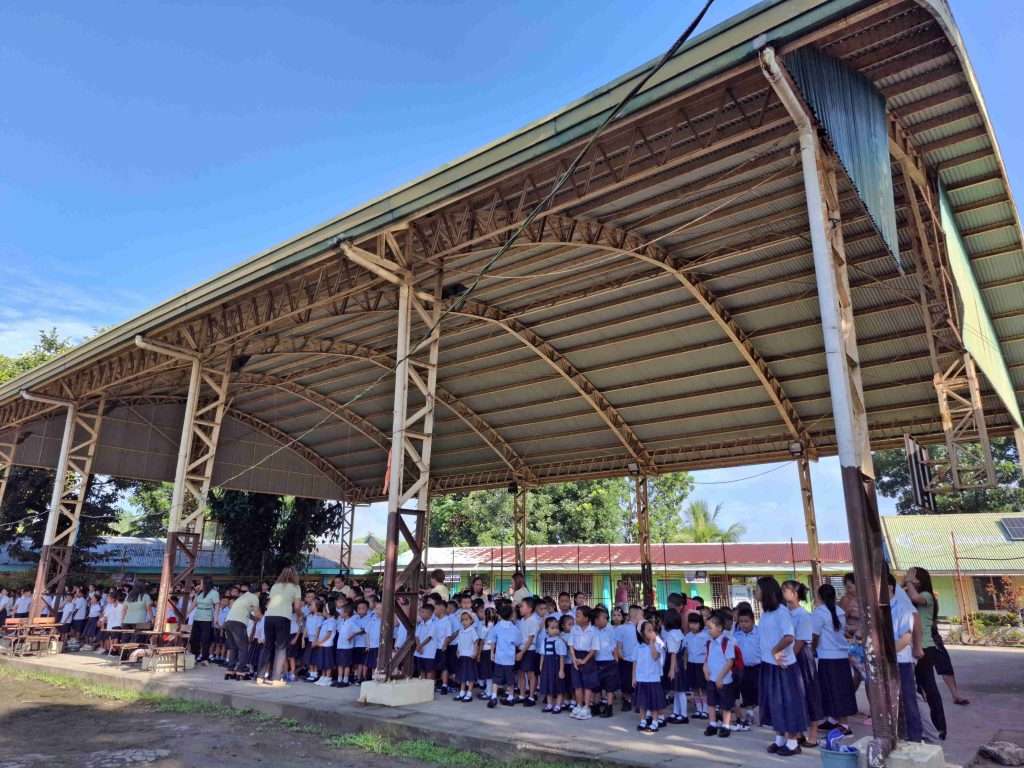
[780,740]
[791,743]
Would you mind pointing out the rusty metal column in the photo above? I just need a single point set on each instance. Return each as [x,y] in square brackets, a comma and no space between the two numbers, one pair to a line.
[643,537]
[803,466]
[200,431]
[7,449]
[849,416]
[411,445]
[519,519]
[70,486]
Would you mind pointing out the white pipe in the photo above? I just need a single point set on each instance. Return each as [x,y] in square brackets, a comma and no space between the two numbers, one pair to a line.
[61,475]
[824,269]
[178,494]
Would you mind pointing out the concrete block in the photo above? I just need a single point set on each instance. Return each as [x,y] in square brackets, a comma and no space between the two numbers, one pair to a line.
[397,693]
[908,755]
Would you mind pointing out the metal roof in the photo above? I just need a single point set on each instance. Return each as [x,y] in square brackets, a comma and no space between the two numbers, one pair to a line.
[701,166]
[600,556]
[982,543]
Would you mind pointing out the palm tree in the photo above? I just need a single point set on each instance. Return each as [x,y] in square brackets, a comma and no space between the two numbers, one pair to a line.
[701,524]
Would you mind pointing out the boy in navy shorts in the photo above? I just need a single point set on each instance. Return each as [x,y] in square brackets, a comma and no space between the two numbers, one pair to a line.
[505,637]
[718,672]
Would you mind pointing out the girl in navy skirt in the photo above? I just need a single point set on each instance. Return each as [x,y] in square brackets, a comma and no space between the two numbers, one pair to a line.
[486,619]
[467,646]
[92,631]
[321,660]
[648,695]
[675,646]
[696,654]
[794,593]
[835,676]
[565,626]
[781,686]
[552,667]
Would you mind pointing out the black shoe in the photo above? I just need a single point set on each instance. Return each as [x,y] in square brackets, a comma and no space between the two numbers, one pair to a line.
[626,705]
[529,701]
[492,703]
[723,733]
[608,712]
[507,702]
[773,748]
[597,709]
[643,724]
[711,730]
[785,751]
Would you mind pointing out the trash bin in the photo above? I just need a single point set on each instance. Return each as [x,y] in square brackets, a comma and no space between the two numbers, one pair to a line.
[831,759]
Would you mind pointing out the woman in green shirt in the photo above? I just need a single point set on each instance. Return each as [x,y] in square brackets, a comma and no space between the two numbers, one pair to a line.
[204,601]
[137,609]
[285,602]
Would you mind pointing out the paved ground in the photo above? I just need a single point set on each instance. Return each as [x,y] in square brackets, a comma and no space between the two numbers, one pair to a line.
[45,726]
[992,679]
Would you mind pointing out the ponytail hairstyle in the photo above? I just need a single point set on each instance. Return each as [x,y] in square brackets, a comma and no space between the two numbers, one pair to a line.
[827,593]
[207,582]
[796,586]
[924,581]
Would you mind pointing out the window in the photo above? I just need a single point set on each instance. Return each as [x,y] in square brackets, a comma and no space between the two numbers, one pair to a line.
[986,599]
[740,589]
[554,583]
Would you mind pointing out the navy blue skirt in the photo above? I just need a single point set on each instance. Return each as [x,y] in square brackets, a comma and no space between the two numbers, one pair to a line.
[322,657]
[679,683]
[781,700]
[835,681]
[343,657]
[550,684]
[648,696]
[812,693]
[569,687]
[626,676]
[485,667]
[466,669]
[695,680]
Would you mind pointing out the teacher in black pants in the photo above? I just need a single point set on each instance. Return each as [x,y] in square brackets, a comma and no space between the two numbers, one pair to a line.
[285,601]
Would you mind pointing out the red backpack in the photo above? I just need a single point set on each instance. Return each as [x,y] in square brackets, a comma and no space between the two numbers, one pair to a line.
[737,663]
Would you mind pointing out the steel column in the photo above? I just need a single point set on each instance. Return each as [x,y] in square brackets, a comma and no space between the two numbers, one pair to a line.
[409,475]
[348,517]
[7,449]
[200,431]
[641,491]
[850,417]
[70,486]
[803,467]
[519,520]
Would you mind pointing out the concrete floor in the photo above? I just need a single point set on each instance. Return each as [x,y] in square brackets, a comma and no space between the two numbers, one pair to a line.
[993,679]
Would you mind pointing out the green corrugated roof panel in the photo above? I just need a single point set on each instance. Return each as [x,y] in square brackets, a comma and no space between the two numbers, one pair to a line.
[926,541]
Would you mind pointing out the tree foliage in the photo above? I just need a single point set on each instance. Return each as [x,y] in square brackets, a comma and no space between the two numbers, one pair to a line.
[893,481]
[50,345]
[150,509]
[702,525]
[264,533]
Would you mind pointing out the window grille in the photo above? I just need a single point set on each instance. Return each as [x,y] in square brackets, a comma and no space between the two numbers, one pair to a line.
[554,583]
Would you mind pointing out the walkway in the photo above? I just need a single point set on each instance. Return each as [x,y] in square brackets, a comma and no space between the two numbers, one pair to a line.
[993,679]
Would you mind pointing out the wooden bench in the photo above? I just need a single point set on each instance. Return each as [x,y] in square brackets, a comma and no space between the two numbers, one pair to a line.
[121,649]
[170,654]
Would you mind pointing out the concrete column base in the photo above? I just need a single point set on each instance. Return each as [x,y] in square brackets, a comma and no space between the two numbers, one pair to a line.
[397,693]
[906,755]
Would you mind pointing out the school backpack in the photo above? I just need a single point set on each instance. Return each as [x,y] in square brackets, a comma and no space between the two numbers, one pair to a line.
[737,663]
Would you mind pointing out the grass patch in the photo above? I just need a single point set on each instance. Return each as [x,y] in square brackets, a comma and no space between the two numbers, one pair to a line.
[411,749]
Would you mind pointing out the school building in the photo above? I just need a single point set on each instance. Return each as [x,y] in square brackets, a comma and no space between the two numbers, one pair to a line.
[966,554]
[720,573]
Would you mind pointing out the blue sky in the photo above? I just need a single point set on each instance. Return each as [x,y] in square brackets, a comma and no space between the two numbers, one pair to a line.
[146,147]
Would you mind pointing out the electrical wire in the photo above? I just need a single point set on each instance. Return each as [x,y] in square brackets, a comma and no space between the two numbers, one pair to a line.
[741,479]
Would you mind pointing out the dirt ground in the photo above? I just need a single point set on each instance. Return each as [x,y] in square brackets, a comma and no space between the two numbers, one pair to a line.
[41,725]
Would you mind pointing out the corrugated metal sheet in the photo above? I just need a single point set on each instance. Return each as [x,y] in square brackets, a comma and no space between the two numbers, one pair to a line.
[853,113]
[927,541]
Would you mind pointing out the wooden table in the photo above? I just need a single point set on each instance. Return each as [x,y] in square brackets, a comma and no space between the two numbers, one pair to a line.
[31,638]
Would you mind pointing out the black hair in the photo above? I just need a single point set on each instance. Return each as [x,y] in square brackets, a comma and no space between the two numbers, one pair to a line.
[827,593]
[505,612]
[566,594]
[925,580]
[716,620]
[477,603]
[207,582]
[587,611]
[346,610]
[332,606]
[771,593]
[695,618]
[671,620]
[566,617]
[698,599]
[850,578]
[796,586]
[724,615]
[319,603]
[640,631]
[530,601]
[600,610]
[891,579]
[361,601]
[490,615]
[747,611]
[549,621]
[675,600]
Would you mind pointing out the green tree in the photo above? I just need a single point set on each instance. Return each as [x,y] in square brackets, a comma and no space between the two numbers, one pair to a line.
[702,524]
[893,481]
[50,345]
[666,496]
[150,509]
[264,533]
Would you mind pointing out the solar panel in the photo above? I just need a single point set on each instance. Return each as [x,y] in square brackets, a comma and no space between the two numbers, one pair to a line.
[1014,527]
